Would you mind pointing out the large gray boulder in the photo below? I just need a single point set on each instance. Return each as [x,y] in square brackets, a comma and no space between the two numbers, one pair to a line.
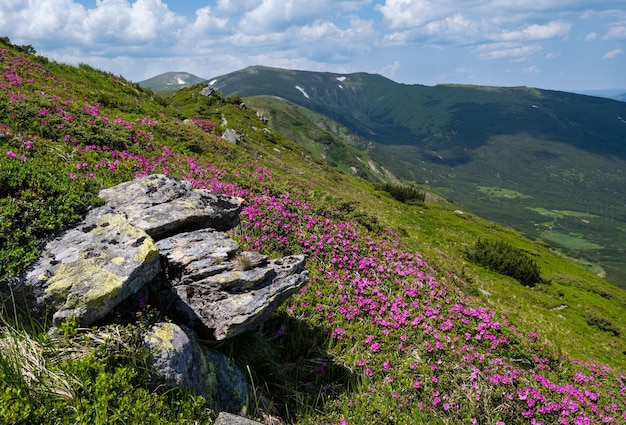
[90,269]
[163,205]
[179,360]
[212,290]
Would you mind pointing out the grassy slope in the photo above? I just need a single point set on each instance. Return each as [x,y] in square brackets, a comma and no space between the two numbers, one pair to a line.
[313,372]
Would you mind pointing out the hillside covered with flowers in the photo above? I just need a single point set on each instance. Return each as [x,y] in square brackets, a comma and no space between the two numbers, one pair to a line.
[394,326]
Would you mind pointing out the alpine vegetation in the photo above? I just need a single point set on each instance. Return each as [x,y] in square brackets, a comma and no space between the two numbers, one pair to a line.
[394,325]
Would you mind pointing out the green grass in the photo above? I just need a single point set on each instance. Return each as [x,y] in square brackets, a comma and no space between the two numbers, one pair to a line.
[575,241]
[562,213]
[499,192]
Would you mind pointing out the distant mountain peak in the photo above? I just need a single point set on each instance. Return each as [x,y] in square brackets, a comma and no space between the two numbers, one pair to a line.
[171,81]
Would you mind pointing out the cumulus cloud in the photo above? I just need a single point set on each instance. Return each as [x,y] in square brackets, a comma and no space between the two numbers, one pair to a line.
[135,23]
[206,24]
[401,14]
[143,36]
[278,15]
[111,22]
[390,70]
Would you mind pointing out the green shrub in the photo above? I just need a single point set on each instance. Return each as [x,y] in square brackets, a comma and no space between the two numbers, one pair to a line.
[596,319]
[405,194]
[35,202]
[505,259]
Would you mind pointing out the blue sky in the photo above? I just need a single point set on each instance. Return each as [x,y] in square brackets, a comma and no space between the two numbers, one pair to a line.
[571,45]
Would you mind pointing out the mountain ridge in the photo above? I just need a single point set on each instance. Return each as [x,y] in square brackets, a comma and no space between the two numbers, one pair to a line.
[517,155]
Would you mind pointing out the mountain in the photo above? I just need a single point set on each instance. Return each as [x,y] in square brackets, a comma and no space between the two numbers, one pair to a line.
[400,321]
[615,94]
[551,164]
[170,81]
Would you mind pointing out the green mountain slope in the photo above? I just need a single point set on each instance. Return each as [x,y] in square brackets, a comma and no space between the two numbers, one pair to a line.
[396,325]
[551,164]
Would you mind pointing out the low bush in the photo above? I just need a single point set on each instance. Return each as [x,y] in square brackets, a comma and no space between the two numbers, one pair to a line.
[505,259]
[406,194]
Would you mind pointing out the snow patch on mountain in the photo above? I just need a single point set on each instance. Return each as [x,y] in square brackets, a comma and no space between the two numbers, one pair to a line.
[304,93]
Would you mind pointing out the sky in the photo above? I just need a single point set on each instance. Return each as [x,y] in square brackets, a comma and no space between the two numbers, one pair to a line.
[570,45]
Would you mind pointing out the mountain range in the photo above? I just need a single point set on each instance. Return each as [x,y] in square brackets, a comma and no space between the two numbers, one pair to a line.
[548,163]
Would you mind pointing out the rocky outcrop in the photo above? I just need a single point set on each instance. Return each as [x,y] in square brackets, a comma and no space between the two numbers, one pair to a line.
[160,235]
[158,225]
[225,418]
[230,135]
[224,294]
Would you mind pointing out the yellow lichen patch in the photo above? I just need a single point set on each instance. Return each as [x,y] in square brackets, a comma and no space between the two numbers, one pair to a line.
[118,223]
[147,251]
[87,282]
[105,287]
[162,337]
[118,261]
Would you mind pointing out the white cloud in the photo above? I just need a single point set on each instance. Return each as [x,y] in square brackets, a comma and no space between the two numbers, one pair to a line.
[612,54]
[457,28]
[402,14]
[116,23]
[616,32]
[390,70]
[38,19]
[140,37]
[532,69]
[236,7]
[508,51]
[206,24]
[278,15]
[550,30]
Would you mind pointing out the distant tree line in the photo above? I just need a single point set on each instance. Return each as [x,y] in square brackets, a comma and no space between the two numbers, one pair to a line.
[405,194]
[505,259]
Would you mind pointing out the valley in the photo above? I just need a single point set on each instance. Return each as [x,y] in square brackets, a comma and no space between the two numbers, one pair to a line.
[538,150]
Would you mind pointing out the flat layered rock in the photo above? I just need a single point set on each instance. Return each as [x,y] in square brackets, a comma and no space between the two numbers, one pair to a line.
[163,205]
[232,295]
